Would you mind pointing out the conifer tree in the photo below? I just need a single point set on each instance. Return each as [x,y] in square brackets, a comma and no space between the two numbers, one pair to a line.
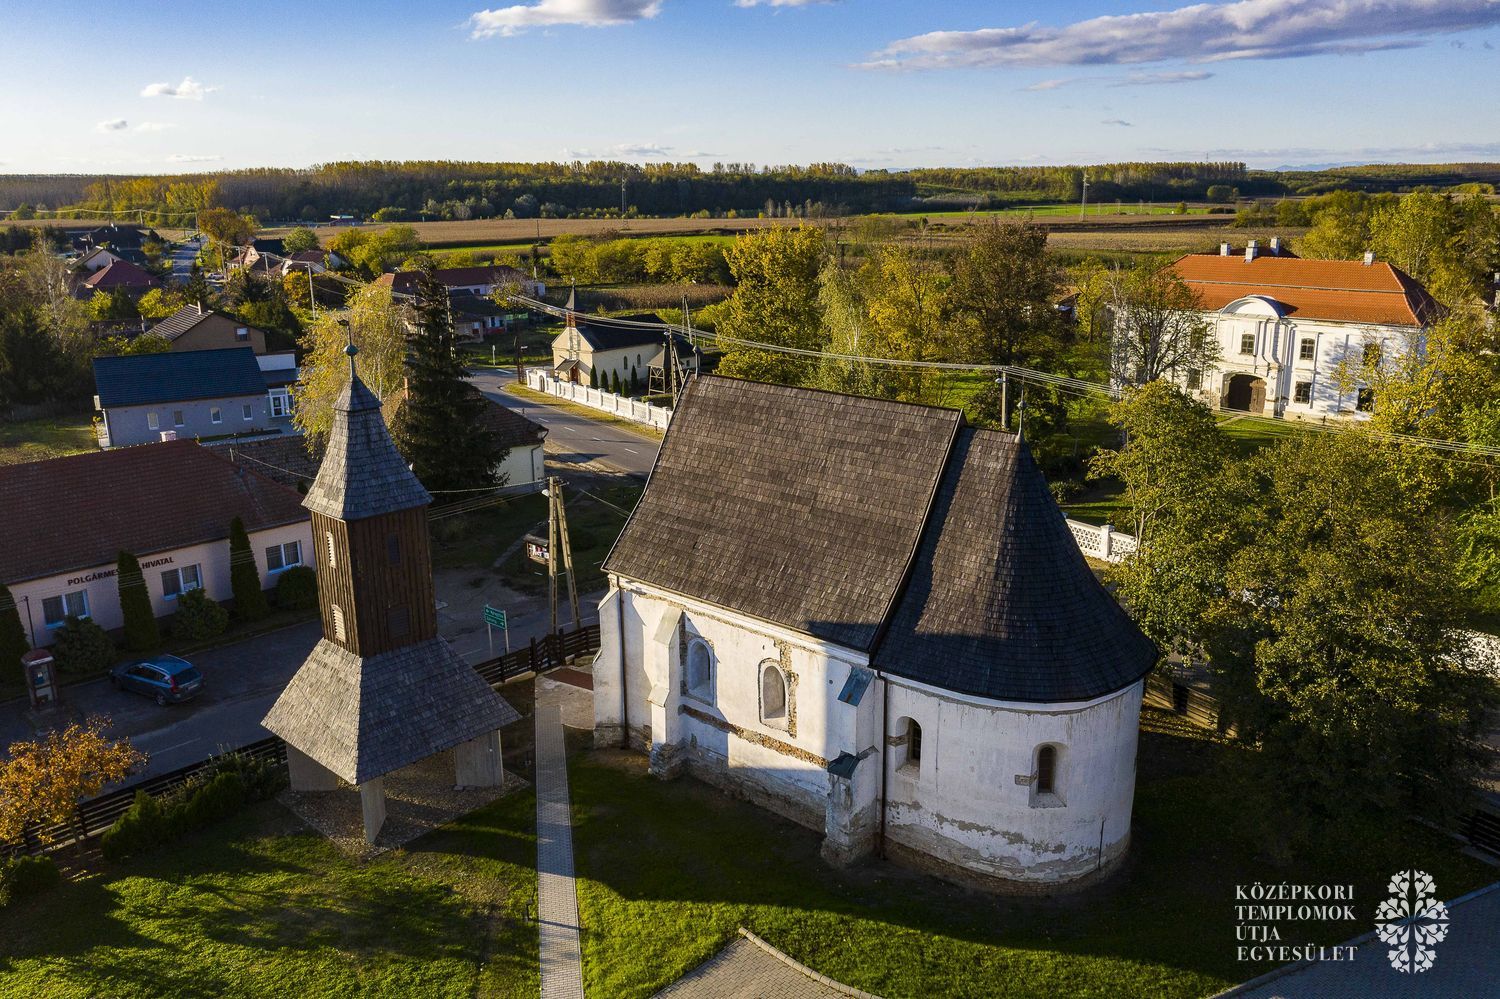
[440,428]
[244,577]
[141,632]
[13,641]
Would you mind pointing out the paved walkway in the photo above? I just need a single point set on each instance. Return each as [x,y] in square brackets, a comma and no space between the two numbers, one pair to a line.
[750,968]
[557,892]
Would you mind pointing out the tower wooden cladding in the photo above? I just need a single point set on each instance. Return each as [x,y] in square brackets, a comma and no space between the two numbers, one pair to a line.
[375,580]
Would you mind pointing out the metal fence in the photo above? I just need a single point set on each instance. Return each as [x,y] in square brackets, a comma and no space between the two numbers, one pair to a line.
[93,817]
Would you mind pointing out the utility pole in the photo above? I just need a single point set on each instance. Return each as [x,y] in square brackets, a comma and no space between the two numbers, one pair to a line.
[1004,381]
[1083,203]
[557,533]
[622,194]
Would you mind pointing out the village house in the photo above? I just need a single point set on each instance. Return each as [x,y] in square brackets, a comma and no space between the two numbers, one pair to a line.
[1285,326]
[193,327]
[96,259]
[169,504]
[197,393]
[481,281]
[591,350]
[873,619]
[127,241]
[523,469]
[115,276]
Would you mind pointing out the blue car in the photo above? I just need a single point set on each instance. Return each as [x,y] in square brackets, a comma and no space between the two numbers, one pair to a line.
[166,679]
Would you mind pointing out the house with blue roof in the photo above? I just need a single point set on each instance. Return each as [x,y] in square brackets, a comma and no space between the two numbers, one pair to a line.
[194,393]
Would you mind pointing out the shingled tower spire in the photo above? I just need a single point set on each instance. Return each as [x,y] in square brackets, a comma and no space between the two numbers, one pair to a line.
[382,689]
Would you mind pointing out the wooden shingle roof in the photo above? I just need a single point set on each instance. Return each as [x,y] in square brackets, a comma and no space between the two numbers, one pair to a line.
[1000,602]
[794,506]
[362,472]
[886,528]
[365,717]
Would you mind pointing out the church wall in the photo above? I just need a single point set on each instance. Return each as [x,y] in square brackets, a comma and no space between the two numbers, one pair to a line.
[962,803]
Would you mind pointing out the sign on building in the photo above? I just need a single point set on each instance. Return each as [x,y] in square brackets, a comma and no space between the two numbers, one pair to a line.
[536,549]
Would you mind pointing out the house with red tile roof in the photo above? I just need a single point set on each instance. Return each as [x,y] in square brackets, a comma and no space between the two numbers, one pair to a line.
[465,280]
[1286,325]
[117,275]
[169,504]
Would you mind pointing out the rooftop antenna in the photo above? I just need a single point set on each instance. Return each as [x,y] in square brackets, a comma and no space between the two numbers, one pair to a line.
[1021,418]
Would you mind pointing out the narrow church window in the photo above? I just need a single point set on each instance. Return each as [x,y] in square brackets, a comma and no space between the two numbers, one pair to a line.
[913,742]
[700,670]
[1046,770]
[333,562]
[772,694]
[338,624]
[393,549]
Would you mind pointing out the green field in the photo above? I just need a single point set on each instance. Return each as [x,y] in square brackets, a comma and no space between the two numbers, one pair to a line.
[34,440]
[1104,209]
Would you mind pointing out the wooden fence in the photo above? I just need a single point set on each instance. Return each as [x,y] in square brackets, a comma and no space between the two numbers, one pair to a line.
[93,817]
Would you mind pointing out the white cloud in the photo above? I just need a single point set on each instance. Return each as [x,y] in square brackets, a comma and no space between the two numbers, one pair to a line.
[188,90]
[638,151]
[550,13]
[1159,79]
[154,126]
[192,158]
[1121,122]
[1202,32]
[1053,84]
[113,125]
[780,3]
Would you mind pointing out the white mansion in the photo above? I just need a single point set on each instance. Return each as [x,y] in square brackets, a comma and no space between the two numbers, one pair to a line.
[873,619]
[1284,325]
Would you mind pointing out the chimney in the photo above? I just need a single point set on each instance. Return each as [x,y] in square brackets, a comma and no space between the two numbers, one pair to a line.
[168,435]
[1369,258]
[1250,251]
[1275,246]
[1223,249]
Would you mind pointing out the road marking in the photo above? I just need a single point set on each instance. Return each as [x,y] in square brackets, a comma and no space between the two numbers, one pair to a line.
[631,450]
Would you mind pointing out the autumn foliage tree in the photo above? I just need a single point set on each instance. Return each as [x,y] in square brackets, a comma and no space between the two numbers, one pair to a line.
[42,782]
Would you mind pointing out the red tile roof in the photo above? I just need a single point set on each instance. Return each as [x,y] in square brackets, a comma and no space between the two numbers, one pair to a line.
[121,274]
[81,511]
[1348,291]
[405,282]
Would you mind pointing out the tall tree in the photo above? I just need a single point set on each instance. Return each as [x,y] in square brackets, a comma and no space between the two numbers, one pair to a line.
[299,239]
[1158,328]
[1005,289]
[440,427]
[141,632]
[244,576]
[379,331]
[775,301]
[13,640]
[905,294]
[1341,227]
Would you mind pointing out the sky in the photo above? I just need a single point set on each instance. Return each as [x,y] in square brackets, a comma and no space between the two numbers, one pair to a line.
[168,87]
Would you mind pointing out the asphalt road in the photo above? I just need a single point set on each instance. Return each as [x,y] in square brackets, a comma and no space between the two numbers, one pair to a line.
[574,440]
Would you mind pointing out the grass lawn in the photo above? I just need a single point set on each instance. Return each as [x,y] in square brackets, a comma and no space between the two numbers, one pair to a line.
[668,871]
[33,440]
[475,540]
[257,906]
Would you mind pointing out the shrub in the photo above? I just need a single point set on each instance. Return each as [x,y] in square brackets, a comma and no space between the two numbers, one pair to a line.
[262,778]
[13,641]
[81,647]
[198,618]
[141,632]
[22,877]
[244,576]
[143,826]
[203,804]
[297,588]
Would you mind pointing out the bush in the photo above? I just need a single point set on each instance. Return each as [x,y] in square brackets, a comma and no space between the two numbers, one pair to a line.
[22,877]
[82,647]
[198,618]
[244,576]
[142,827]
[203,804]
[262,778]
[297,589]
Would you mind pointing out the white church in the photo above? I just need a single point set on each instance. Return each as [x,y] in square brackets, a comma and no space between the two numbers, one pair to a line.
[1285,325]
[872,619]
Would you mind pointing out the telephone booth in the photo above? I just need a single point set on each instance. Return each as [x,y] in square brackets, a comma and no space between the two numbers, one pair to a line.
[41,679]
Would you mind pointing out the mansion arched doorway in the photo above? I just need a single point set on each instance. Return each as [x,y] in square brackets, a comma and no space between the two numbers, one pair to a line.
[1245,393]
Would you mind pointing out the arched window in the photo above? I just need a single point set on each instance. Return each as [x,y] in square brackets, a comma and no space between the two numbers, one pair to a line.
[338,624]
[700,670]
[772,694]
[1046,770]
[913,742]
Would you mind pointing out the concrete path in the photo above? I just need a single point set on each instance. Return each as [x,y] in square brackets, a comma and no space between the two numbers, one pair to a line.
[557,892]
[750,968]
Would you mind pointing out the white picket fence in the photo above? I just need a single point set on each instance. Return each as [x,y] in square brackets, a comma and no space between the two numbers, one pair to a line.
[1103,543]
[630,409]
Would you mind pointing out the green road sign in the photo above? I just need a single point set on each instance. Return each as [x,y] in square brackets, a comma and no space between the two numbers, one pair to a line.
[494,616]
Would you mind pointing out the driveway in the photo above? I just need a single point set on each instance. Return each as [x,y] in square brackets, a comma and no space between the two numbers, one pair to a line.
[573,439]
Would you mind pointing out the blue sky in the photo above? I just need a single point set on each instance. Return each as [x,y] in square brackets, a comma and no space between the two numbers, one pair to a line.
[164,87]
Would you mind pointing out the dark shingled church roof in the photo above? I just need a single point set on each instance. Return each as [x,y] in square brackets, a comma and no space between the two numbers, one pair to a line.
[362,718]
[794,506]
[1000,601]
[378,479]
[883,527]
